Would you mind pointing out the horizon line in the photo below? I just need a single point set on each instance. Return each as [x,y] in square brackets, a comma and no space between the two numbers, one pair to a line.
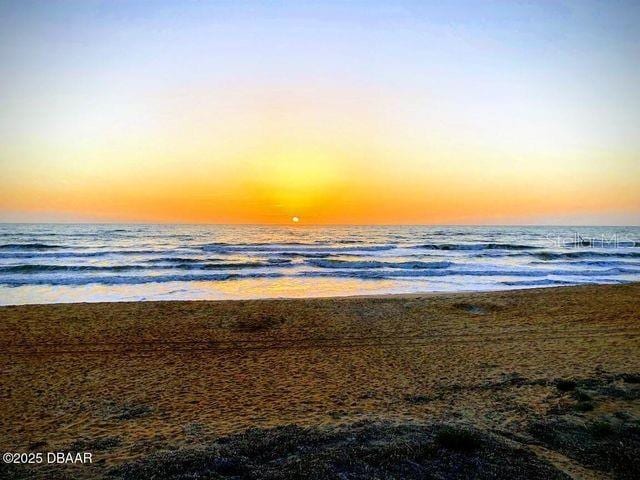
[298,225]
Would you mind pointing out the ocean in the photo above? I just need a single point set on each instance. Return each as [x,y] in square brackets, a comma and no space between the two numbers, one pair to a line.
[53,263]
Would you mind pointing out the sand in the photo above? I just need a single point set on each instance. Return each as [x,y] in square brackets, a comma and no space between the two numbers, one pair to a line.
[125,380]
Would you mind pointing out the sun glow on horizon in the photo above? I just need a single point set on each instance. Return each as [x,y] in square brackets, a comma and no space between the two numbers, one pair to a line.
[233,113]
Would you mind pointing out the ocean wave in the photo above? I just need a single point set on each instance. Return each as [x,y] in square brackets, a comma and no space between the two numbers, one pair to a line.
[447,272]
[30,235]
[279,261]
[132,280]
[588,263]
[629,244]
[175,260]
[475,246]
[374,264]
[171,261]
[537,283]
[600,243]
[225,265]
[416,258]
[584,254]
[306,254]
[30,268]
[36,268]
[292,248]
[550,282]
[30,246]
[75,254]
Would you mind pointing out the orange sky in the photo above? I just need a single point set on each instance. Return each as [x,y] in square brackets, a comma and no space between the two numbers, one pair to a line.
[259,116]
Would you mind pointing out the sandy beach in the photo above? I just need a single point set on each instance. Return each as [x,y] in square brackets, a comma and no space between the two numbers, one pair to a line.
[552,373]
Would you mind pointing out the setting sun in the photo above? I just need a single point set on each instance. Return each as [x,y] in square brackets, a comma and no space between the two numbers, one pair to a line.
[173,126]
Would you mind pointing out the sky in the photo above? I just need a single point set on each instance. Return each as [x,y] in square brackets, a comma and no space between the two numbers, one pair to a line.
[337,112]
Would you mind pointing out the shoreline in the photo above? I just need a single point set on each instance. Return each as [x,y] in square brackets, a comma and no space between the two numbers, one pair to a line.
[133,382]
[334,297]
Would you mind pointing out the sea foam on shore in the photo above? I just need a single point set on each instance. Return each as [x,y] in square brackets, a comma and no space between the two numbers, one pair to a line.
[70,263]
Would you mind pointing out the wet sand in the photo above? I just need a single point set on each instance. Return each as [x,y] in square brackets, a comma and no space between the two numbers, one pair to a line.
[125,380]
